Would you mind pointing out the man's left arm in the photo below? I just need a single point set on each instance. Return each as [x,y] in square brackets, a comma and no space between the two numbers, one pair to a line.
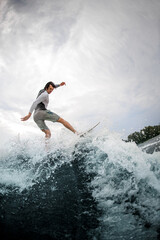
[61,84]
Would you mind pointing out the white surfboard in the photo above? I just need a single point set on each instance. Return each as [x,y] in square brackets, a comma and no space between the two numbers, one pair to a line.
[89,130]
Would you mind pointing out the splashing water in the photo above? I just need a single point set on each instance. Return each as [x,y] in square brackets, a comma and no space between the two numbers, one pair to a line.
[127,188]
[121,181]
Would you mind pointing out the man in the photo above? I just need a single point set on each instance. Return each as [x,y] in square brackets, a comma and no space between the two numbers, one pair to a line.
[41,113]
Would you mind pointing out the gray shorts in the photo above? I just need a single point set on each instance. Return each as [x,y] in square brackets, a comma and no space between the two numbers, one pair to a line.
[41,115]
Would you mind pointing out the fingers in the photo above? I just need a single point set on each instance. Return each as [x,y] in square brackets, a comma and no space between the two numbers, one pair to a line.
[24,118]
[63,83]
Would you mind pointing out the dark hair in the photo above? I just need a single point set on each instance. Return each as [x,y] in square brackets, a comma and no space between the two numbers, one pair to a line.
[48,84]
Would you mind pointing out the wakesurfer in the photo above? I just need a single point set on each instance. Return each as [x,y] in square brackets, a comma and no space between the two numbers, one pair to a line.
[41,113]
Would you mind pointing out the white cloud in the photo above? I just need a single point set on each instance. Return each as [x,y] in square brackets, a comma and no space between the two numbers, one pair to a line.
[106,51]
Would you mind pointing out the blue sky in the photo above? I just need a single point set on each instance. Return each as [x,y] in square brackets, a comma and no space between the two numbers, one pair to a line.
[107,52]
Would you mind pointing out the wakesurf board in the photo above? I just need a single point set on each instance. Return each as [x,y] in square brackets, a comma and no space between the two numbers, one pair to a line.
[89,130]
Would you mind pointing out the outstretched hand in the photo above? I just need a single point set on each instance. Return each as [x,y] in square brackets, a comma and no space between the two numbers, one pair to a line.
[26,117]
[62,83]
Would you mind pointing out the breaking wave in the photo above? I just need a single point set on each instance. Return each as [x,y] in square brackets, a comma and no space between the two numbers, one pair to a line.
[97,187]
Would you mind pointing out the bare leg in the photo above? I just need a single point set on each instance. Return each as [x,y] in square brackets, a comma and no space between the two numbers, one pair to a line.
[47,137]
[67,125]
[47,132]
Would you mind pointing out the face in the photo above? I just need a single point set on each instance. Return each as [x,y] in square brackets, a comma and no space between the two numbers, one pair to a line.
[50,89]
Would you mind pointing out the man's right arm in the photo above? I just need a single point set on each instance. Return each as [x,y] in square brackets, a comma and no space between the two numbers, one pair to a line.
[41,98]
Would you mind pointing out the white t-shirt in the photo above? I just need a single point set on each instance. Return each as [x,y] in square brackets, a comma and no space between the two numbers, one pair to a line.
[42,100]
